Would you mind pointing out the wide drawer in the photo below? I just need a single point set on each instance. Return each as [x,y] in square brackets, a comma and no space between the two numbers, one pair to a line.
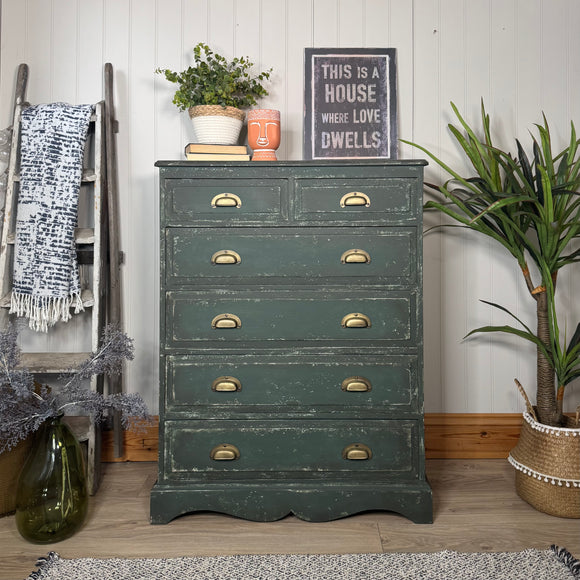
[231,317]
[225,200]
[367,254]
[358,199]
[271,448]
[229,385]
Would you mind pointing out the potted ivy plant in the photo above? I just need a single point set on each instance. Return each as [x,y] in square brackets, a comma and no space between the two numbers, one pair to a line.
[214,91]
[531,206]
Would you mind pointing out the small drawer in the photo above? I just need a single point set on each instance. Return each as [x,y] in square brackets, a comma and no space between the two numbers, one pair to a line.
[198,255]
[359,317]
[229,385]
[224,200]
[361,200]
[271,448]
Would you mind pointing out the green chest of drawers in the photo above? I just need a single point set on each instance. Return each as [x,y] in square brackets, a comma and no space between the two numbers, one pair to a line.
[291,362]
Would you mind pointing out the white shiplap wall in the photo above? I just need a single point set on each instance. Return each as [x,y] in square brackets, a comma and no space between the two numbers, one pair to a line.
[521,56]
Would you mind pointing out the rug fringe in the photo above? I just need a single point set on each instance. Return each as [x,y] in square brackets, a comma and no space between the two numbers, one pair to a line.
[44,563]
[566,558]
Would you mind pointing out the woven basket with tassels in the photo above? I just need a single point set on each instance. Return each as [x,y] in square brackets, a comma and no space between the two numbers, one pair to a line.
[547,463]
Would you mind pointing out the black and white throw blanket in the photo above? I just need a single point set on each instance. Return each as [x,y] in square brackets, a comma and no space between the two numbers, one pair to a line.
[46,279]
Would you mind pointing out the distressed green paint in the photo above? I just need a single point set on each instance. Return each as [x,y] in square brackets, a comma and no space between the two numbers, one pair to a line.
[297,316]
[291,421]
[292,384]
[293,255]
[311,448]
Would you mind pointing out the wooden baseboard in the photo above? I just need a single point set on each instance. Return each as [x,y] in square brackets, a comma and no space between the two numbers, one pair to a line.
[471,435]
[447,436]
[141,445]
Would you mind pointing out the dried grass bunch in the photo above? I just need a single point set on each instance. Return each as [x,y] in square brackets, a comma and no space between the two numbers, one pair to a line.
[25,404]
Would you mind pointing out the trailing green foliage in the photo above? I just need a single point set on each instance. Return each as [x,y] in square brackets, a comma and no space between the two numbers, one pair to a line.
[216,81]
[531,206]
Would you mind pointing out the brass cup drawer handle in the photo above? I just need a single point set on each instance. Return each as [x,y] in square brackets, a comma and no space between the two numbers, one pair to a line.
[226,200]
[224,452]
[226,385]
[226,257]
[355,198]
[355,256]
[356,320]
[357,452]
[226,320]
[356,385]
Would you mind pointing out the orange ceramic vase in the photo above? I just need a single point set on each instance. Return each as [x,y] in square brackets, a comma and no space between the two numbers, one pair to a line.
[264,133]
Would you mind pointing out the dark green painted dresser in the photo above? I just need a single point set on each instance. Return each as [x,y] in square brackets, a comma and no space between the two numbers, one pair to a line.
[291,363]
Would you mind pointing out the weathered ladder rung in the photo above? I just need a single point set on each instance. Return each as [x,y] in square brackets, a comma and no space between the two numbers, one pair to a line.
[87,298]
[88,176]
[82,236]
[52,362]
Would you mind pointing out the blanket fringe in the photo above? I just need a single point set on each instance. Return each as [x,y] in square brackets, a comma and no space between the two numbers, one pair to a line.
[43,311]
[44,563]
[566,558]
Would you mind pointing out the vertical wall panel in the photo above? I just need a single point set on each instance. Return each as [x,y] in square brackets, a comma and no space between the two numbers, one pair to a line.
[377,22]
[457,243]
[65,52]
[571,300]
[350,23]
[194,29]
[90,46]
[569,279]
[39,33]
[477,260]
[273,54]
[169,54]
[399,34]
[325,23]
[529,48]
[299,35]
[116,50]
[503,274]
[141,249]
[249,28]
[222,28]
[426,131]
[554,41]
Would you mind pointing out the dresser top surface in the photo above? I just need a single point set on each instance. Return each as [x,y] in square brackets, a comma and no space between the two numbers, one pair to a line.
[297,163]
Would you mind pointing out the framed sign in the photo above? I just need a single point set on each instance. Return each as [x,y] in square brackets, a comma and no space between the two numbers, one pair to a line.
[350,103]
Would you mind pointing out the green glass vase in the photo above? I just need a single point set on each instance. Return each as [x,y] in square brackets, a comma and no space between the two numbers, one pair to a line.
[52,497]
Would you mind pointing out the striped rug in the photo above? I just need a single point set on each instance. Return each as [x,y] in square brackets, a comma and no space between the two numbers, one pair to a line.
[553,564]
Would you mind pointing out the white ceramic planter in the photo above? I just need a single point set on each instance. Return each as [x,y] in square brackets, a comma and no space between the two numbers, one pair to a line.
[216,124]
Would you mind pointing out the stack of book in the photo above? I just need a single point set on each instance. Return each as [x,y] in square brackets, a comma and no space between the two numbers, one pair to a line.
[204,152]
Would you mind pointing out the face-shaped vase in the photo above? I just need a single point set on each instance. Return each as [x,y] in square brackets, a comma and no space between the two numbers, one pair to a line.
[264,133]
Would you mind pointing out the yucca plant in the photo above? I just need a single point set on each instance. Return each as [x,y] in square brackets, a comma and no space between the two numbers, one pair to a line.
[532,208]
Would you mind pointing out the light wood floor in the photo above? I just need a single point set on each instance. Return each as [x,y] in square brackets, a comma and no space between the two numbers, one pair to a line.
[476,509]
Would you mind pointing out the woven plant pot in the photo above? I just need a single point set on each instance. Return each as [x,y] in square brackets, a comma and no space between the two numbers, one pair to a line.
[215,124]
[547,463]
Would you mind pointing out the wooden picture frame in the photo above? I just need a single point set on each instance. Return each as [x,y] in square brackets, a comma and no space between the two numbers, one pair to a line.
[350,103]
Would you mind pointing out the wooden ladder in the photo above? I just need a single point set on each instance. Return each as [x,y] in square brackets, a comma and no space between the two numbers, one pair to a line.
[92,244]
